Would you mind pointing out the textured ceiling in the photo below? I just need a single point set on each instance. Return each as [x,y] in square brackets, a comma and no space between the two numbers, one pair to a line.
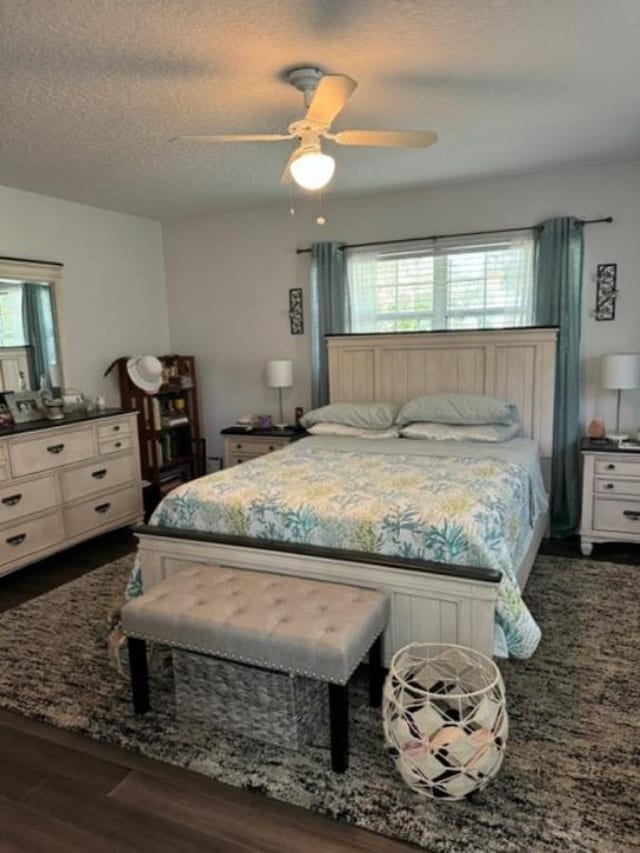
[91,91]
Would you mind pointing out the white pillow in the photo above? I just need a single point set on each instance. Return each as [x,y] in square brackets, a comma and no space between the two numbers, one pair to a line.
[459,432]
[354,432]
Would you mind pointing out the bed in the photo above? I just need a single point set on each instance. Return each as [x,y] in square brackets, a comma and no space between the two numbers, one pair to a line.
[449,529]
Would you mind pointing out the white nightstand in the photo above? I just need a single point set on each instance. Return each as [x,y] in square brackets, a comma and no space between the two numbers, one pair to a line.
[242,445]
[610,494]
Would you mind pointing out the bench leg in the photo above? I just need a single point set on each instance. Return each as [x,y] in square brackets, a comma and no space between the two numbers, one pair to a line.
[376,673]
[139,674]
[339,724]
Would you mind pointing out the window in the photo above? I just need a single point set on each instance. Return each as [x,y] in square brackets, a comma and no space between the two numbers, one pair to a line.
[474,283]
[11,326]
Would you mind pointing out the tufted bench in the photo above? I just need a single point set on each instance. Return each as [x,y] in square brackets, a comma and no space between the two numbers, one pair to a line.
[301,627]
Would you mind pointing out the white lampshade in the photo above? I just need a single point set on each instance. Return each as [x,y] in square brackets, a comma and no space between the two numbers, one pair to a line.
[280,373]
[620,370]
[312,170]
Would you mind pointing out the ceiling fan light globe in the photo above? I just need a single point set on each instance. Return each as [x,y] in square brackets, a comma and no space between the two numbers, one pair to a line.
[312,170]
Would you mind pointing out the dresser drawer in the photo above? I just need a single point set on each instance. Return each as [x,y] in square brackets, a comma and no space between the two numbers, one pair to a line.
[98,476]
[22,539]
[90,515]
[28,456]
[21,499]
[617,486]
[619,516]
[115,445]
[112,430]
[617,467]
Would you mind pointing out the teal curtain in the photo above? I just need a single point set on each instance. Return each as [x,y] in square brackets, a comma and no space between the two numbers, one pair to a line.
[330,311]
[558,293]
[39,329]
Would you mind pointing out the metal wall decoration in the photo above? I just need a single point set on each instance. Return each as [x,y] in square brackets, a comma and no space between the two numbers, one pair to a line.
[606,291]
[296,316]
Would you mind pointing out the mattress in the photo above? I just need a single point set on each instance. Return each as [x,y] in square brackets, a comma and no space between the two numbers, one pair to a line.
[454,502]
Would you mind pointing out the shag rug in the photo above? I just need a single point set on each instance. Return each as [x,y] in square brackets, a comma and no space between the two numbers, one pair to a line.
[571,776]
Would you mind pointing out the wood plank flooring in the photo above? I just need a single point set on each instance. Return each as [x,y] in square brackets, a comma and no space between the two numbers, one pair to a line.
[60,791]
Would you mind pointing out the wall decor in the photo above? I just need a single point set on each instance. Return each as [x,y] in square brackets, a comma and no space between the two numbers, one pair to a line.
[296,316]
[606,291]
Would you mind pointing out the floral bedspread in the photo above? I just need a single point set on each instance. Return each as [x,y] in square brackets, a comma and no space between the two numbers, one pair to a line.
[453,509]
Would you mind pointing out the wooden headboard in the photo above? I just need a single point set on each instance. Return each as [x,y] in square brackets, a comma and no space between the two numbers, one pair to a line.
[516,364]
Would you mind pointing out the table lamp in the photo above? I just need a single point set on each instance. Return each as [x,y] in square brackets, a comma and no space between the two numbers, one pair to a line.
[280,375]
[619,372]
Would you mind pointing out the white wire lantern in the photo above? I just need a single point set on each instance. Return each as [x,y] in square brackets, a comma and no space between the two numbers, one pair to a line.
[445,719]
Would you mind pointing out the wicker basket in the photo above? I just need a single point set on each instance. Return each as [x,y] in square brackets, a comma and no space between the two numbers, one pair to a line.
[261,704]
[445,719]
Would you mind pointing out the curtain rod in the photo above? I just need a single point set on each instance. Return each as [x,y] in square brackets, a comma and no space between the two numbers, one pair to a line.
[31,261]
[307,251]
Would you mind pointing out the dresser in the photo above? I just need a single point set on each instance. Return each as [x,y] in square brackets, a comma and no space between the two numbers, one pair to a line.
[610,494]
[241,445]
[65,481]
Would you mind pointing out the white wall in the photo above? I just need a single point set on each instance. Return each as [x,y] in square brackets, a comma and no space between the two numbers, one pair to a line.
[228,274]
[113,288]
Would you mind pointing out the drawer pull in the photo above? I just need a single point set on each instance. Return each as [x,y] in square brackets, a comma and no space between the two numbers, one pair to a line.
[118,444]
[12,500]
[271,447]
[633,514]
[609,486]
[102,507]
[116,428]
[238,447]
[611,467]
[17,540]
[99,475]
[55,448]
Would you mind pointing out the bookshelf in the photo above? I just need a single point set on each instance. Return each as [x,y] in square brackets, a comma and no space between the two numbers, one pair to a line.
[171,449]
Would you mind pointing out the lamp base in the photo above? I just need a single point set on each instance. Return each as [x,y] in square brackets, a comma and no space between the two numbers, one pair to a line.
[281,427]
[617,436]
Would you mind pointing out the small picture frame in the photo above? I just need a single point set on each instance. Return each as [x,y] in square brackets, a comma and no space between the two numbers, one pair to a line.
[6,420]
[25,406]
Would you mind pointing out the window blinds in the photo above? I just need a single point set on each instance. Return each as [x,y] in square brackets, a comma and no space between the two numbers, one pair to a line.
[456,283]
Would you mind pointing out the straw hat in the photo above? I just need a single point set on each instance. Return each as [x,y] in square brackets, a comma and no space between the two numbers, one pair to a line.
[145,371]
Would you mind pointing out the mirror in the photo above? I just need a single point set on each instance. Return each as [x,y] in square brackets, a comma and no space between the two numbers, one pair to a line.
[29,345]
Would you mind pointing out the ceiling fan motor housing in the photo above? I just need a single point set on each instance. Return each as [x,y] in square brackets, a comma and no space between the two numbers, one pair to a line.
[306,80]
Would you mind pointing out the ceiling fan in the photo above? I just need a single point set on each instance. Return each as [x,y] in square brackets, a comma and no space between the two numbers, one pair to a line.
[325,95]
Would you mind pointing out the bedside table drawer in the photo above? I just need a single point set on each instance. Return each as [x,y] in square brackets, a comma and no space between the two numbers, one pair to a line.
[616,515]
[617,468]
[617,486]
[239,458]
[255,446]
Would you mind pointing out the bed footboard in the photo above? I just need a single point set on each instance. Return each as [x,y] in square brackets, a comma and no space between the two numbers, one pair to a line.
[430,602]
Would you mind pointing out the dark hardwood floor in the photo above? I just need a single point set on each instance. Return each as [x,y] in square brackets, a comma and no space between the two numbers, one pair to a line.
[60,791]
[64,792]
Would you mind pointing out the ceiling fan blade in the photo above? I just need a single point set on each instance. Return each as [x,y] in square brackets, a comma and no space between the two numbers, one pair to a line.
[235,137]
[332,93]
[285,177]
[386,138]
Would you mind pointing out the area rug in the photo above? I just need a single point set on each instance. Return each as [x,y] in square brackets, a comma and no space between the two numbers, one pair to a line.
[570,780]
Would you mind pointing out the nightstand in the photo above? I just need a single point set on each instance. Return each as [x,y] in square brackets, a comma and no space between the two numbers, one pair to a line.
[240,444]
[610,494]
